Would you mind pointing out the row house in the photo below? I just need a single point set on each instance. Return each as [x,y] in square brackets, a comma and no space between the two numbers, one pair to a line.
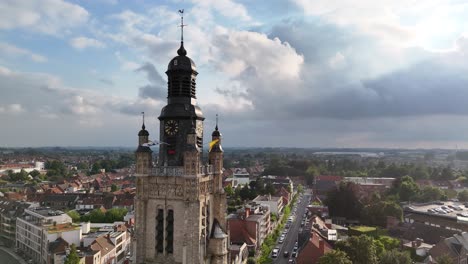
[279,181]
[45,236]
[274,203]
[456,247]
[249,225]
[314,248]
[9,211]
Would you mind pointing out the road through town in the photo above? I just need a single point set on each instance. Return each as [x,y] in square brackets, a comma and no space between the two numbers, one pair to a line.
[292,235]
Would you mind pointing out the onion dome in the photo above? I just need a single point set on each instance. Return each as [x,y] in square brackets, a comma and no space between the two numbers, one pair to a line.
[182,62]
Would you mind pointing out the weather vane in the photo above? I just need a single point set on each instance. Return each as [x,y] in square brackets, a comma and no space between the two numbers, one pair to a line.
[182,25]
[143,115]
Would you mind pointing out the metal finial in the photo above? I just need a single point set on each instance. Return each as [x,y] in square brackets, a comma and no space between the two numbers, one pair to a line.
[216,128]
[182,25]
[182,51]
[143,116]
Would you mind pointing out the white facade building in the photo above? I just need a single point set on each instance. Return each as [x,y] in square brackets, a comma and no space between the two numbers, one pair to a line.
[274,203]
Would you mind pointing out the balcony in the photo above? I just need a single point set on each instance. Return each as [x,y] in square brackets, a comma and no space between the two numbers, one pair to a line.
[179,170]
[168,171]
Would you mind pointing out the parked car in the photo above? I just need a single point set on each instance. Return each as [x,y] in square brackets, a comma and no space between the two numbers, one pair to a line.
[286,254]
[275,252]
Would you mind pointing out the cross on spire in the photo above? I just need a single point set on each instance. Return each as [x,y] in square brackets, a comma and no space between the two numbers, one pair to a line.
[182,25]
[181,51]
[143,116]
[216,128]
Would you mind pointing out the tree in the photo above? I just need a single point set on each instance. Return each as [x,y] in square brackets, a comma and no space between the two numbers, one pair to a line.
[113,187]
[430,193]
[115,214]
[229,190]
[408,188]
[95,216]
[251,260]
[75,216]
[300,188]
[334,257]
[342,201]
[34,173]
[376,213]
[463,196]
[389,243]
[361,249]
[395,257]
[73,257]
[444,259]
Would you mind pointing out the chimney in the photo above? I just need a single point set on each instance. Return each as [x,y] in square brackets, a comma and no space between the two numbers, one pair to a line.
[247,212]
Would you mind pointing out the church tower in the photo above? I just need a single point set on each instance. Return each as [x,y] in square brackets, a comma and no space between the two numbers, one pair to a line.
[180,203]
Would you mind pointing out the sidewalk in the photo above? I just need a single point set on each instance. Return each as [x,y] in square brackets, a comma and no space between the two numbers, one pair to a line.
[10,252]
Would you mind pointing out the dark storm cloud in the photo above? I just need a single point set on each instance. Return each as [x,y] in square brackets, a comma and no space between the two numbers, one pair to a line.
[157,87]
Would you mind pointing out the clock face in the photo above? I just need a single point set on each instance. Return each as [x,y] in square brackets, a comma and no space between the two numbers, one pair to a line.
[199,128]
[171,127]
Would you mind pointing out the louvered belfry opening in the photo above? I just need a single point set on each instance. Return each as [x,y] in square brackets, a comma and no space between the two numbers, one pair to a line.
[182,86]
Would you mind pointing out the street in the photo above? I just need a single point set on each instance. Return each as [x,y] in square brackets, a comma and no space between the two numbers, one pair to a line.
[291,237]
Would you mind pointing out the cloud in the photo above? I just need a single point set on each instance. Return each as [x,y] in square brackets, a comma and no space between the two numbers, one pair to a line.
[157,88]
[13,51]
[227,8]
[46,16]
[11,109]
[84,42]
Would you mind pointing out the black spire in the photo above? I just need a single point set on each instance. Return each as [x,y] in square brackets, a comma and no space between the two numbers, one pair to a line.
[181,51]
[143,131]
[216,131]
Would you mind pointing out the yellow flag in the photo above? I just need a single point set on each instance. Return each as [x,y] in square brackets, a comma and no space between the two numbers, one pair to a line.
[212,143]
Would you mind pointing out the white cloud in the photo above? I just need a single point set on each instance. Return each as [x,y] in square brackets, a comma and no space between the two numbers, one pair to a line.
[227,8]
[402,23]
[242,50]
[13,51]
[84,42]
[45,16]
[11,109]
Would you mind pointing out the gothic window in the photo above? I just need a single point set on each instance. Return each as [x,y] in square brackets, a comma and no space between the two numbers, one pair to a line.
[160,231]
[170,232]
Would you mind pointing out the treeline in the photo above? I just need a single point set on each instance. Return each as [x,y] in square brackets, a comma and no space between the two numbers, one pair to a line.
[346,167]
[98,216]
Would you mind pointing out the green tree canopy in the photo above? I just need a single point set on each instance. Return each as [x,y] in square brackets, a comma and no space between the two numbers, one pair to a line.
[445,259]
[75,216]
[360,249]
[343,201]
[334,257]
[395,257]
[376,213]
[463,196]
[73,257]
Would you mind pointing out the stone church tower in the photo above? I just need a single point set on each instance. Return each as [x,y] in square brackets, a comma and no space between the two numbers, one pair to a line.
[180,202]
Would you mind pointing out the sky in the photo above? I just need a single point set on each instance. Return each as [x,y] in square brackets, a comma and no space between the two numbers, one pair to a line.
[280,73]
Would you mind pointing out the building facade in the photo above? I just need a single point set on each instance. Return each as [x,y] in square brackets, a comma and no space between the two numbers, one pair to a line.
[180,203]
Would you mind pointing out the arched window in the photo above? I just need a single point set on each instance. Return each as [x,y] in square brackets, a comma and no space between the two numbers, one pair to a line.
[160,231]
[170,232]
